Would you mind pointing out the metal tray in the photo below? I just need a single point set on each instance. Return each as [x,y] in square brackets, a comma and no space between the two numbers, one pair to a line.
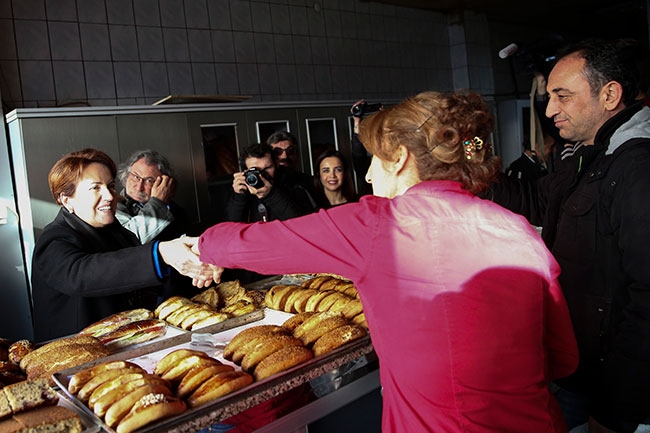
[202,417]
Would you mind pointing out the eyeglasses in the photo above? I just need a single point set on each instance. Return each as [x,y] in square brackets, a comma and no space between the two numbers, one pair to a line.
[290,151]
[147,180]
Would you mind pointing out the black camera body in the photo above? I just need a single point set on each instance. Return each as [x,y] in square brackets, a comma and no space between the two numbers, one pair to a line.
[253,178]
[363,109]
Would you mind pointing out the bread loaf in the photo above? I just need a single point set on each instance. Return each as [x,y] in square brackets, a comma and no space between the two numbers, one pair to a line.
[281,360]
[48,419]
[336,338]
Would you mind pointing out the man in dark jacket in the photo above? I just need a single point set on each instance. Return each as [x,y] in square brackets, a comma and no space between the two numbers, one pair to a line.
[595,214]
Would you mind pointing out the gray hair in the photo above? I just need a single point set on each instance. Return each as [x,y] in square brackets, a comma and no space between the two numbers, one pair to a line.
[151,157]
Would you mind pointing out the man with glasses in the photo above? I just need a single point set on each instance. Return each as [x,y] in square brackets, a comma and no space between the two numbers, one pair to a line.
[285,150]
[146,207]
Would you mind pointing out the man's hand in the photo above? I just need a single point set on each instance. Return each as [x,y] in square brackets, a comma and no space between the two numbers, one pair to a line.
[239,183]
[263,191]
[216,270]
[163,189]
[178,254]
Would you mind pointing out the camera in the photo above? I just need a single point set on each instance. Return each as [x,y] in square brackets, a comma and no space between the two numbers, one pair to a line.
[253,178]
[364,109]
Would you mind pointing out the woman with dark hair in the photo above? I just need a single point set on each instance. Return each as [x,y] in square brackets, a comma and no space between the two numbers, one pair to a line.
[333,183]
[460,295]
[86,266]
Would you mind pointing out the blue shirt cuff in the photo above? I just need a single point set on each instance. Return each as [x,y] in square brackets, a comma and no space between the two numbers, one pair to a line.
[162,269]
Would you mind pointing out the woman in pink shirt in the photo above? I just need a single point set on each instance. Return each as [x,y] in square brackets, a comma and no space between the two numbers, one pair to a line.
[460,295]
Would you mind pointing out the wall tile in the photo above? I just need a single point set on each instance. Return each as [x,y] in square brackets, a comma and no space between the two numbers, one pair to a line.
[302,49]
[124,43]
[69,81]
[364,27]
[64,40]
[299,20]
[200,45]
[223,46]
[7,41]
[240,16]
[339,79]
[10,84]
[249,83]
[128,79]
[320,54]
[61,10]
[196,14]
[261,17]
[348,25]
[244,47]
[37,80]
[32,40]
[150,44]
[287,79]
[305,74]
[264,47]
[180,79]
[100,82]
[323,79]
[154,79]
[95,42]
[227,78]
[5,9]
[333,23]
[280,19]
[268,79]
[147,12]
[205,81]
[284,49]
[219,15]
[120,12]
[29,9]
[172,13]
[316,22]
[91,11]
[176,45]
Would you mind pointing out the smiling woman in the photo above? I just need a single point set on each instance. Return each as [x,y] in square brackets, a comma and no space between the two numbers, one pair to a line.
[86,266]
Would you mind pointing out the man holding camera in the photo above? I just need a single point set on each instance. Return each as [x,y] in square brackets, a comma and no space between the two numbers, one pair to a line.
[256,197]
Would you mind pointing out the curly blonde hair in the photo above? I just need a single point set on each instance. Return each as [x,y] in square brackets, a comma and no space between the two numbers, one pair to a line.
[435,128]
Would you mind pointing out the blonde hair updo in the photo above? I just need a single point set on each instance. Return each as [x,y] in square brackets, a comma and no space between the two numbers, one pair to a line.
[447,133]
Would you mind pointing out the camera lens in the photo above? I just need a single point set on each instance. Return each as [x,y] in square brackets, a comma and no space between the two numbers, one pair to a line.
[253,178]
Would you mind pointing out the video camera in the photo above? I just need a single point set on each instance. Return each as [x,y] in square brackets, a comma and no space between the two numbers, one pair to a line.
[363,109]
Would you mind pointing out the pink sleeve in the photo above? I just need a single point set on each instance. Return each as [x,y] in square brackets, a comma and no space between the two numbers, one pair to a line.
[333,241]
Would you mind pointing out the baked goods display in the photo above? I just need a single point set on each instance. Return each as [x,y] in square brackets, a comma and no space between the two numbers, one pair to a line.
[26,395]
[213,305]
[318,294]
[266,350]
[126,328]
[62,354]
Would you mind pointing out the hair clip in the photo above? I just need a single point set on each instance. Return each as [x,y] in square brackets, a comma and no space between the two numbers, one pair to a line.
[471,146]
[419,128]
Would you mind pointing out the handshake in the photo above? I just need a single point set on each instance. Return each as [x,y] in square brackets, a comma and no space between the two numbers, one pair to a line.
[183,255]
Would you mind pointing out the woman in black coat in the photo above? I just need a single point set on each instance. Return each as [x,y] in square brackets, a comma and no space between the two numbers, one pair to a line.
[86,266]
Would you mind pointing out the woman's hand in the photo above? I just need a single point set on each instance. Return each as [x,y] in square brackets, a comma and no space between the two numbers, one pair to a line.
[216,270]
[178,254]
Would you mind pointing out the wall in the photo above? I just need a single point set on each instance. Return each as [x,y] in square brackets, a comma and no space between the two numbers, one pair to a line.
[133,52]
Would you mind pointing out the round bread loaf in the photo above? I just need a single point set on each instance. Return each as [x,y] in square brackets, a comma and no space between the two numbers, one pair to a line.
[218,386]
[19,349]
[314,300]
[247,335]
[313,322]
[269,345]
[325,326]
[281,360]
[294,321]
[336,338]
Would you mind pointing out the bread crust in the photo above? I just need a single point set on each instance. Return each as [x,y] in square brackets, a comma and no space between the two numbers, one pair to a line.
[246,335]
[294,321]
[121,407]
[174,357]
[197,375]
[336,338]
[325,326]
[218,386]
[142,414]
[282,360]
[314,300]
[102,404]
[265,348]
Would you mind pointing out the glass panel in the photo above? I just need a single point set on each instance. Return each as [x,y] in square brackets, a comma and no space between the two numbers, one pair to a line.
[266,128]
[221,161]
[321,136]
